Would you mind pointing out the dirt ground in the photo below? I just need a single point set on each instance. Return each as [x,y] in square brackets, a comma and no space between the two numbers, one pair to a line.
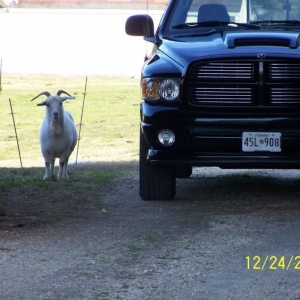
[227,235]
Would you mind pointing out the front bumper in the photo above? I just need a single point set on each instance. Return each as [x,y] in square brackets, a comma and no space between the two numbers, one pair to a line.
[217,141]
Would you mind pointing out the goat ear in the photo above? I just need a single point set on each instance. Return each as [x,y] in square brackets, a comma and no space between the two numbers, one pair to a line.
[66,98]
[42,103]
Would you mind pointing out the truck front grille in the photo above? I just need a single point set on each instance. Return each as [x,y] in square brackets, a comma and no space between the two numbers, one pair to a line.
[245,83]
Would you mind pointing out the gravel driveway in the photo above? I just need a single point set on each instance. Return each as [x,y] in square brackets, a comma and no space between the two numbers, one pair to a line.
[116,246]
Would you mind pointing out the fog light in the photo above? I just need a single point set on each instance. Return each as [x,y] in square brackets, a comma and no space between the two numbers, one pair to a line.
[166,137]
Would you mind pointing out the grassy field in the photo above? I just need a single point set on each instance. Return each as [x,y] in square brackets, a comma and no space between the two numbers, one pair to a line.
[109,130]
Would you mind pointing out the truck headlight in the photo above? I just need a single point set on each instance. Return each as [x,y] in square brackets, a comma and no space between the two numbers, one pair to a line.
[155,89]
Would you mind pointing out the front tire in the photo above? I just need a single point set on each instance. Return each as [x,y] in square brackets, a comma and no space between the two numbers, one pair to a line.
[157,182]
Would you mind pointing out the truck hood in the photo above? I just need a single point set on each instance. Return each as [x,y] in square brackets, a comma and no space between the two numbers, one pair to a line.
[185,49]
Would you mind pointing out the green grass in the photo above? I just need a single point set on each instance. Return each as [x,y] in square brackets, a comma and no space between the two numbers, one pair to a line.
[79,182]
[110,123]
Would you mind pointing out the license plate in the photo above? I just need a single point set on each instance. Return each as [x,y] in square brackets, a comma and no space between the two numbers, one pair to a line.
[261,141]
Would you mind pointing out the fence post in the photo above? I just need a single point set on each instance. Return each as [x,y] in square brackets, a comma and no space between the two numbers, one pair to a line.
[84,94]
[12,114]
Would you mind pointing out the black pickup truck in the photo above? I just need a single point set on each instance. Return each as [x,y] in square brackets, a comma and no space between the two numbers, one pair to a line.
[220,88]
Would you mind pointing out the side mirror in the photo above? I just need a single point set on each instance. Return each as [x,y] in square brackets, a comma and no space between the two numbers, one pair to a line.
[140,25]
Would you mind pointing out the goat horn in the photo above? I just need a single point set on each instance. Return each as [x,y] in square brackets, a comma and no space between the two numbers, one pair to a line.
[59,92]
[43,93]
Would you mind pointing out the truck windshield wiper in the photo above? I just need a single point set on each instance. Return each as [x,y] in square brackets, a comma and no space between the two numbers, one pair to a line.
[276,22]
[215,23]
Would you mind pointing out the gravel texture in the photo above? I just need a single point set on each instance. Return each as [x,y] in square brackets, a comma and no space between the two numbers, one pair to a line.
[113,245]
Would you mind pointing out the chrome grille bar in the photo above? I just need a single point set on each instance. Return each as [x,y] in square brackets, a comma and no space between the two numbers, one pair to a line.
[221,96]
[285,70]
[285,96]
[219,70]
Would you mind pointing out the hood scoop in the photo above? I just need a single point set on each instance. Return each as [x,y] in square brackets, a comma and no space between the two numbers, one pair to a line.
[242,39]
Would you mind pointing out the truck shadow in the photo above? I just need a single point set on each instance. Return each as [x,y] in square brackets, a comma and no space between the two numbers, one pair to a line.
[241,188]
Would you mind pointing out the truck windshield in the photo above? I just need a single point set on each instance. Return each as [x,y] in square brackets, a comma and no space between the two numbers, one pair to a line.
[201,15]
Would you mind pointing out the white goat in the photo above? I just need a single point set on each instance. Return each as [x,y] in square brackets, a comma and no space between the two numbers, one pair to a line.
[9,3]
[58,135]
